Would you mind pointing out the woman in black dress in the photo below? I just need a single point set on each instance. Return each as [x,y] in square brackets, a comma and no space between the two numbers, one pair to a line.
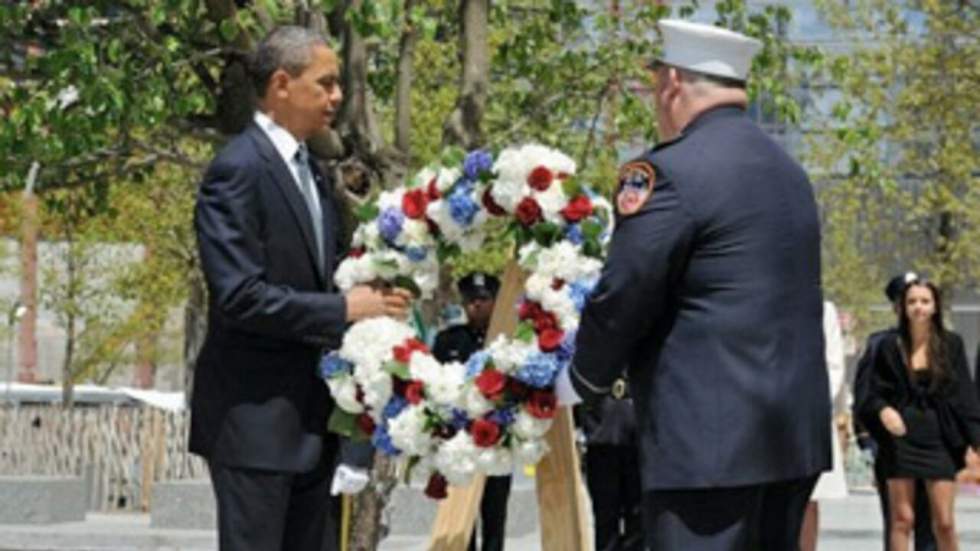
[929,410]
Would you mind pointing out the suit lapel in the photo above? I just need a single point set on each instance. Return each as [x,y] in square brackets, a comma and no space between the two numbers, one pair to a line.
[287,186]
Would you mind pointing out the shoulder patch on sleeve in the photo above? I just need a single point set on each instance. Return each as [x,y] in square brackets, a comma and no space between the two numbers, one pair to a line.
[636,180]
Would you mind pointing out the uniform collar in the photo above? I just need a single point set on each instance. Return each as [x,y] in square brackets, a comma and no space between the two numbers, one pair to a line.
[284,142]
[724,111]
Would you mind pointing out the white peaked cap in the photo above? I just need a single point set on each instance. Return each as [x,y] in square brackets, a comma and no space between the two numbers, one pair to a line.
[707,49]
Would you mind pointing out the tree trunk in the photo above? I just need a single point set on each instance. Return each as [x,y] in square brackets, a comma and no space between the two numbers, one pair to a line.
[462,128]
[27,337]
[146,368]
[403,86]
[67,369]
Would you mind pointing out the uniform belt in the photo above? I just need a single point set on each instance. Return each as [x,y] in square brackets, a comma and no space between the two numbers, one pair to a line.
[620,389]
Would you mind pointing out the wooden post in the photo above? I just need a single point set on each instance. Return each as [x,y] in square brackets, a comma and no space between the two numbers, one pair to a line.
[561,504]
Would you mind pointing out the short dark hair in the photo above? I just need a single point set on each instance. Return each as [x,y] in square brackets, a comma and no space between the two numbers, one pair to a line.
[288,48]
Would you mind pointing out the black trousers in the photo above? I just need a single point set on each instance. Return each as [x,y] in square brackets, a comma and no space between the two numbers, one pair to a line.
[275,511]
[612,474]
[764,517]
[493,514]
[925,540]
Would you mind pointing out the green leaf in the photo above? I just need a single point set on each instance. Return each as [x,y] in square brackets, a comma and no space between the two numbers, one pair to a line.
[228,29]
[524,332]
[546,233]
[398,369]
[453,156]
[344,423]
[367,212]
[572,187]
[591,247]
[591,229]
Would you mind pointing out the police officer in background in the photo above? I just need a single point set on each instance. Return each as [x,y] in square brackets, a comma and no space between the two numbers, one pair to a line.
[711,294]
[478,291]
[867,426]
[612,470]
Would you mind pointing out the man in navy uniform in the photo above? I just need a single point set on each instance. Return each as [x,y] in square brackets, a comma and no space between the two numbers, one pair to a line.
[711,295]
[457,343]
[868,427]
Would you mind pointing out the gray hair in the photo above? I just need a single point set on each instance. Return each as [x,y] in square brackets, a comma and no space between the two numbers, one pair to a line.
[289,48]
[703,82]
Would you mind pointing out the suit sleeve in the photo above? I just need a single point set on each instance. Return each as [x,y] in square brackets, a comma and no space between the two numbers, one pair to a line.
[862,385]
[967,402]
[227,224]
[647,251]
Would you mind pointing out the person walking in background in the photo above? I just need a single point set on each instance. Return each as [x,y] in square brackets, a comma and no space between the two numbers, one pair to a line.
[869,429]
[456,344]
[833,484]
[612,469]
[920,389]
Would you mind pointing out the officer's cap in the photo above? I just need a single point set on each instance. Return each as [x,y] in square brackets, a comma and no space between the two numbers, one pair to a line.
[707,49]
[896,285]
[476,285]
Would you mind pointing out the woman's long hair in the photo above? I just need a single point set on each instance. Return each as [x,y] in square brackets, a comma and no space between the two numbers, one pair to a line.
[937,355]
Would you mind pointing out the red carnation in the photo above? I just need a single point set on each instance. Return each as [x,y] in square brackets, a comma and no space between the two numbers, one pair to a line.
[436,488]
[413,392]
[550,339]
[403,354]
[542,404]
[491,205]
[414,203]
[491,383]
[528,211]
[545,321]
[529,310]
[416,345]
[485,433]
[365,423]
[540,178]
[579,208]
[432,191]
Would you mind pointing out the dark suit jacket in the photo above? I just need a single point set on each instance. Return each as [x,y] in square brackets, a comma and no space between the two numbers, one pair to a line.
[955,401]
[862,387]
[257,401]
[712,294]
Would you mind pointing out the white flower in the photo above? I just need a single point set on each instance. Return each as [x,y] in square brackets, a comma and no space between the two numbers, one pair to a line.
[496,461]
[443,383]
[508,356]
[415,233]
[407,430]
[475,404]
[529,452]
[355,271]
[377,387]
[527,426]
[391,199]
[456,458]
[344,392]
[552,201]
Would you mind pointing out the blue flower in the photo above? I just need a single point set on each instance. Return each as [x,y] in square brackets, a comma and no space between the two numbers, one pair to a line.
[394,406]
[459,420]
[462,207]
[475,364]
[539,370]
[390,224]
[503,417]
[416,254]
[580,291]
[477,162]
[574,234]
[381,440]
[567,349]
[332,364]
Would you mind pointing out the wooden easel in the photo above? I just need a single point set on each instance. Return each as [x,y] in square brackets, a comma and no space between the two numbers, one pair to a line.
[561,495]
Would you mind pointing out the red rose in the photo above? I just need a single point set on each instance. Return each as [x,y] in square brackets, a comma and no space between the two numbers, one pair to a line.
[517,389]
[529,310]
[491,205]
[432,191]
[416,345]
[545,321]
[579,208]
[485,433]
[413,392]
[414,203]
[365,423]
[550,339]
[491,383]
[528,211]
[436,488]
[542,404]
[403,354]
[540,178]
[356,253]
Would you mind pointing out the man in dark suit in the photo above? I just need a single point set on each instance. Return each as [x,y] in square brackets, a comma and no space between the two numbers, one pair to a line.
[456,344]
[711,294]
[268,233]
[868,427]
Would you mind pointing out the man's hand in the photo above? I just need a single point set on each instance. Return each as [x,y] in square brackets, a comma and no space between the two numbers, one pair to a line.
[892,421]
[348,480]
[367,301]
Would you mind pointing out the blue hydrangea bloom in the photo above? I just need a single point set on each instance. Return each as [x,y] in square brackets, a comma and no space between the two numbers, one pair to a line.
[332,364]
[394,406]
[416,254]
[565,352]
[503,417]
[539,370]
[475,364]
[462,207]
[476,162]
[381,440]
[459,420]
[390,224]
[574,234]
[579,292]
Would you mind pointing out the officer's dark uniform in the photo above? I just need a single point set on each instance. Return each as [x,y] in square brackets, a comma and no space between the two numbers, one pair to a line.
[711,293]
[612,470]
[457,343]
[866,422]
